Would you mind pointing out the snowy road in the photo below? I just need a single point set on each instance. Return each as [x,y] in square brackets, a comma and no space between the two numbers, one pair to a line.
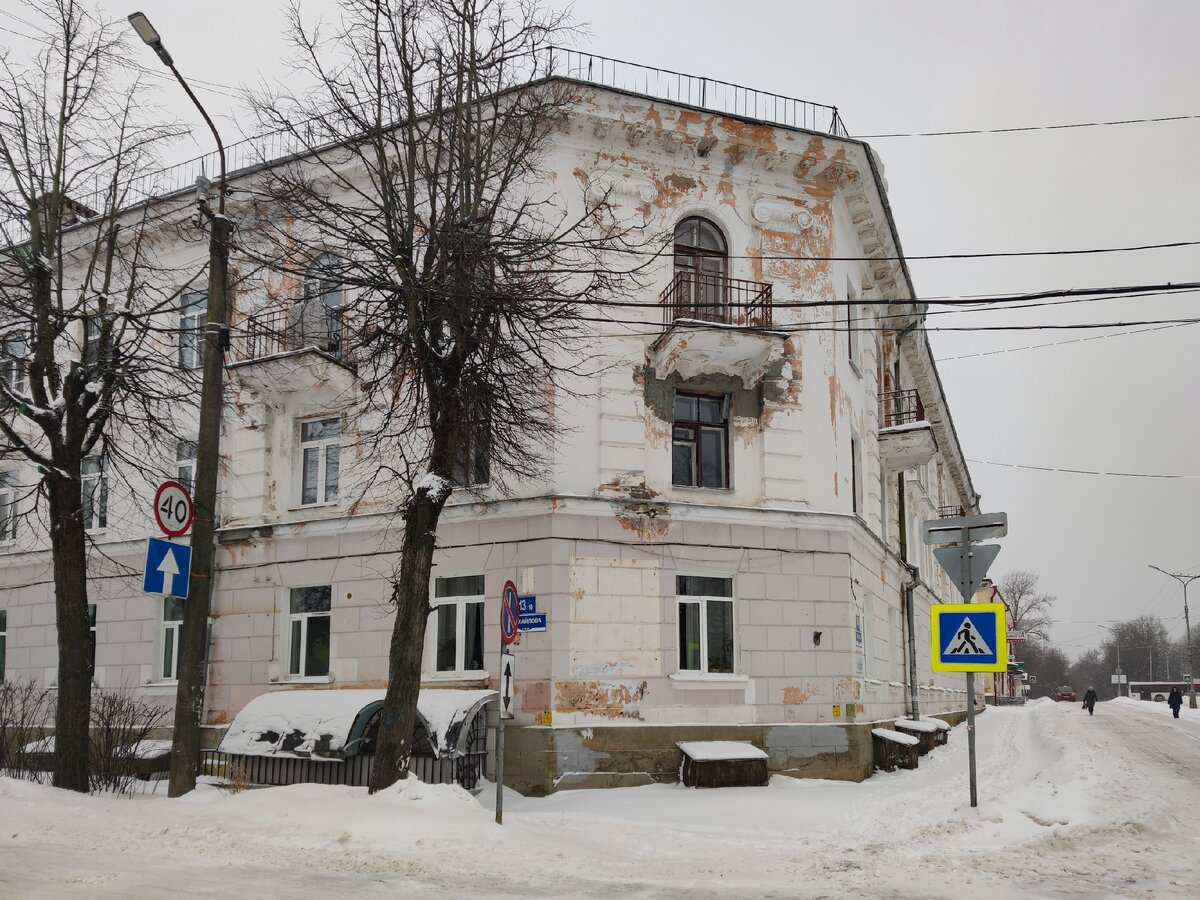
[1070,806]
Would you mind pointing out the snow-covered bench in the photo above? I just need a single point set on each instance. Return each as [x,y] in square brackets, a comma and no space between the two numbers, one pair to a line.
[722,764]
[894,749]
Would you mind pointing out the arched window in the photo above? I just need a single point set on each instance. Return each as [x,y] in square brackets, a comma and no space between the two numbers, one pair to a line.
[701,271]
[318,319]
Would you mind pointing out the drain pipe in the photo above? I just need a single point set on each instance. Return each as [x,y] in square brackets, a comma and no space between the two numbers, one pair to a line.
[914,580]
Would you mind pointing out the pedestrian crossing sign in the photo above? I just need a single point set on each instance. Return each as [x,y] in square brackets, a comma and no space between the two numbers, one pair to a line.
[968,637]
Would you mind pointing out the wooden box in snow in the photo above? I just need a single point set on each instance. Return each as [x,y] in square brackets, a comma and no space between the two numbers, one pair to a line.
[723,764]
[894,750]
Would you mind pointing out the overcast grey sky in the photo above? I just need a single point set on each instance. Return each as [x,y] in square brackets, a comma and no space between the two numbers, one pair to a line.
[1127,403]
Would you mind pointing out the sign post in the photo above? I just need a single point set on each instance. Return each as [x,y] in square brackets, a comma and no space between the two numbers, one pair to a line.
[967,566]
[510,616]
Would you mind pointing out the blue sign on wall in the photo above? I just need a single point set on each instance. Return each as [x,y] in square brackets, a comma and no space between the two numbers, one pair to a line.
[527,604]
[168,568]
[533,622]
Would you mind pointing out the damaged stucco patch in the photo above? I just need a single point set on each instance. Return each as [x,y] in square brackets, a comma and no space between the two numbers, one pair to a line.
[612,699]
[794,695]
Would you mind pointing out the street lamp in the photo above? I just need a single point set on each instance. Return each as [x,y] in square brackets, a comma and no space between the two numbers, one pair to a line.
[1185,580]
[193,637]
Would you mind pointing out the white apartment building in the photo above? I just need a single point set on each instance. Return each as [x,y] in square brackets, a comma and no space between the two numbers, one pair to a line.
[720,547]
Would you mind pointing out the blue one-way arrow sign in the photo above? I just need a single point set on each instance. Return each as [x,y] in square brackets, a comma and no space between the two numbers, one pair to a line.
[168,568]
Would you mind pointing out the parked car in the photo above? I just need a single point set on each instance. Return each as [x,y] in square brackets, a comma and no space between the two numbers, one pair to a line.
[1064,693]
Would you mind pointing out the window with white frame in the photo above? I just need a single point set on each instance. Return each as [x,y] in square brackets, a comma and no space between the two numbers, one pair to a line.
[185,463]
[308,631]
[706,632]
[172,623]
[455,645]
[14,356]
[193,317]
[856,465]
[92,634]
[854,324]
[92,332]
[95,493]
[320,446]
[8,506]
[3,640]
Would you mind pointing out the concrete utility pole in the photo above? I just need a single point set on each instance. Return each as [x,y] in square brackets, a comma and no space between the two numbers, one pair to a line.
[1185,580]
[193,634]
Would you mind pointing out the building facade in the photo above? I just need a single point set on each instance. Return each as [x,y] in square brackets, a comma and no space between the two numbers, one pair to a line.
[721,549]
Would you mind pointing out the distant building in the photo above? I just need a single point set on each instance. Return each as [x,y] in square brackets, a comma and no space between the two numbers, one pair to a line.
[720,550]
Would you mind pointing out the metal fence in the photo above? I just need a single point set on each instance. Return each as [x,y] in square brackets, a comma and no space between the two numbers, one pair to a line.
[900,408]
[301,324]
[717,298]
[466,770]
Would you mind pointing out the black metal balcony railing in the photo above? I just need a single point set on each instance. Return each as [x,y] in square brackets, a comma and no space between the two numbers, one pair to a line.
[717,298]
[299,326]
[950,512]
[900,408]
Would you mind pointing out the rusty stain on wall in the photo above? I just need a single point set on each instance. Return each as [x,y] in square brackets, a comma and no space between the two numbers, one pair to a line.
[604,698]
[846,689]
[793,695]
[533,694]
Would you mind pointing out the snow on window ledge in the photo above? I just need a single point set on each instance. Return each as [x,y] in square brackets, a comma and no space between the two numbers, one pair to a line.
[302,679]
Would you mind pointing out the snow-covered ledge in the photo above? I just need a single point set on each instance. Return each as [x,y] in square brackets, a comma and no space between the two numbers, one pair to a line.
[691,347]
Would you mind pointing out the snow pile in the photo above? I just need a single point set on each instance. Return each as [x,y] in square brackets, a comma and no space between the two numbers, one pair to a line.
[1069,805]
[895,737]
[924,726]
[317,723]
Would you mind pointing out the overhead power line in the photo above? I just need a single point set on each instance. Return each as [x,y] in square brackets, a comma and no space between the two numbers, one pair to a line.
[986,462]
[1019,128]
[1095,337]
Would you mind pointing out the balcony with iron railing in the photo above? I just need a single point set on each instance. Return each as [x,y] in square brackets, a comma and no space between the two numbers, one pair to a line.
[303,325]
[950,512]
[713,297]
[900,408]
[905,437]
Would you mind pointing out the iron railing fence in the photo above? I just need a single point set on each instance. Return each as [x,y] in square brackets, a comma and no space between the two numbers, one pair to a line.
[301,324]
[717,298]
[950,512]
[900,408]
[466,770]
[711,94]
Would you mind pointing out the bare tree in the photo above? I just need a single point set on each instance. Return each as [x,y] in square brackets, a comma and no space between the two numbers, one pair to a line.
[422,185]
[1030,609]
[89,380]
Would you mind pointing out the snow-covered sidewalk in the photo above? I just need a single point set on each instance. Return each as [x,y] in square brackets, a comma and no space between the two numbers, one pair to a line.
[1066,807]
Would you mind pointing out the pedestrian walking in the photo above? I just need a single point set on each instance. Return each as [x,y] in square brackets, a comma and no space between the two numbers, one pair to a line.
[1175,700]
[1089,700]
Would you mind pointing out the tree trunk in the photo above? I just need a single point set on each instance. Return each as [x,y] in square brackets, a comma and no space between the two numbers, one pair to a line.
[76,647]
[410,596]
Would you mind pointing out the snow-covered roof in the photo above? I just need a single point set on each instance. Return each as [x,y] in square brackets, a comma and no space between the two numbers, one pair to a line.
[895,737]
[703,751]
[331,724]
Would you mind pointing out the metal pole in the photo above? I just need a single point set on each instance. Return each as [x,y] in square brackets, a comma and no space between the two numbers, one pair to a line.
[966,545]
[500,729]
[193,633]
[1187,623]
[914,702]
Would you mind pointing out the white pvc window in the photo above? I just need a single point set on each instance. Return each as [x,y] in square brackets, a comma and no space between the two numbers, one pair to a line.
[308,631]
[706,624]
[193,316]
[455,643]
[95,494]
[185,463]
[172,623]
[8,506]
[320,448]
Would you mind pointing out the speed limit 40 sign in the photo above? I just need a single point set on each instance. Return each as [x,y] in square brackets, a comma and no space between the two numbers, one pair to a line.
[173,509]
